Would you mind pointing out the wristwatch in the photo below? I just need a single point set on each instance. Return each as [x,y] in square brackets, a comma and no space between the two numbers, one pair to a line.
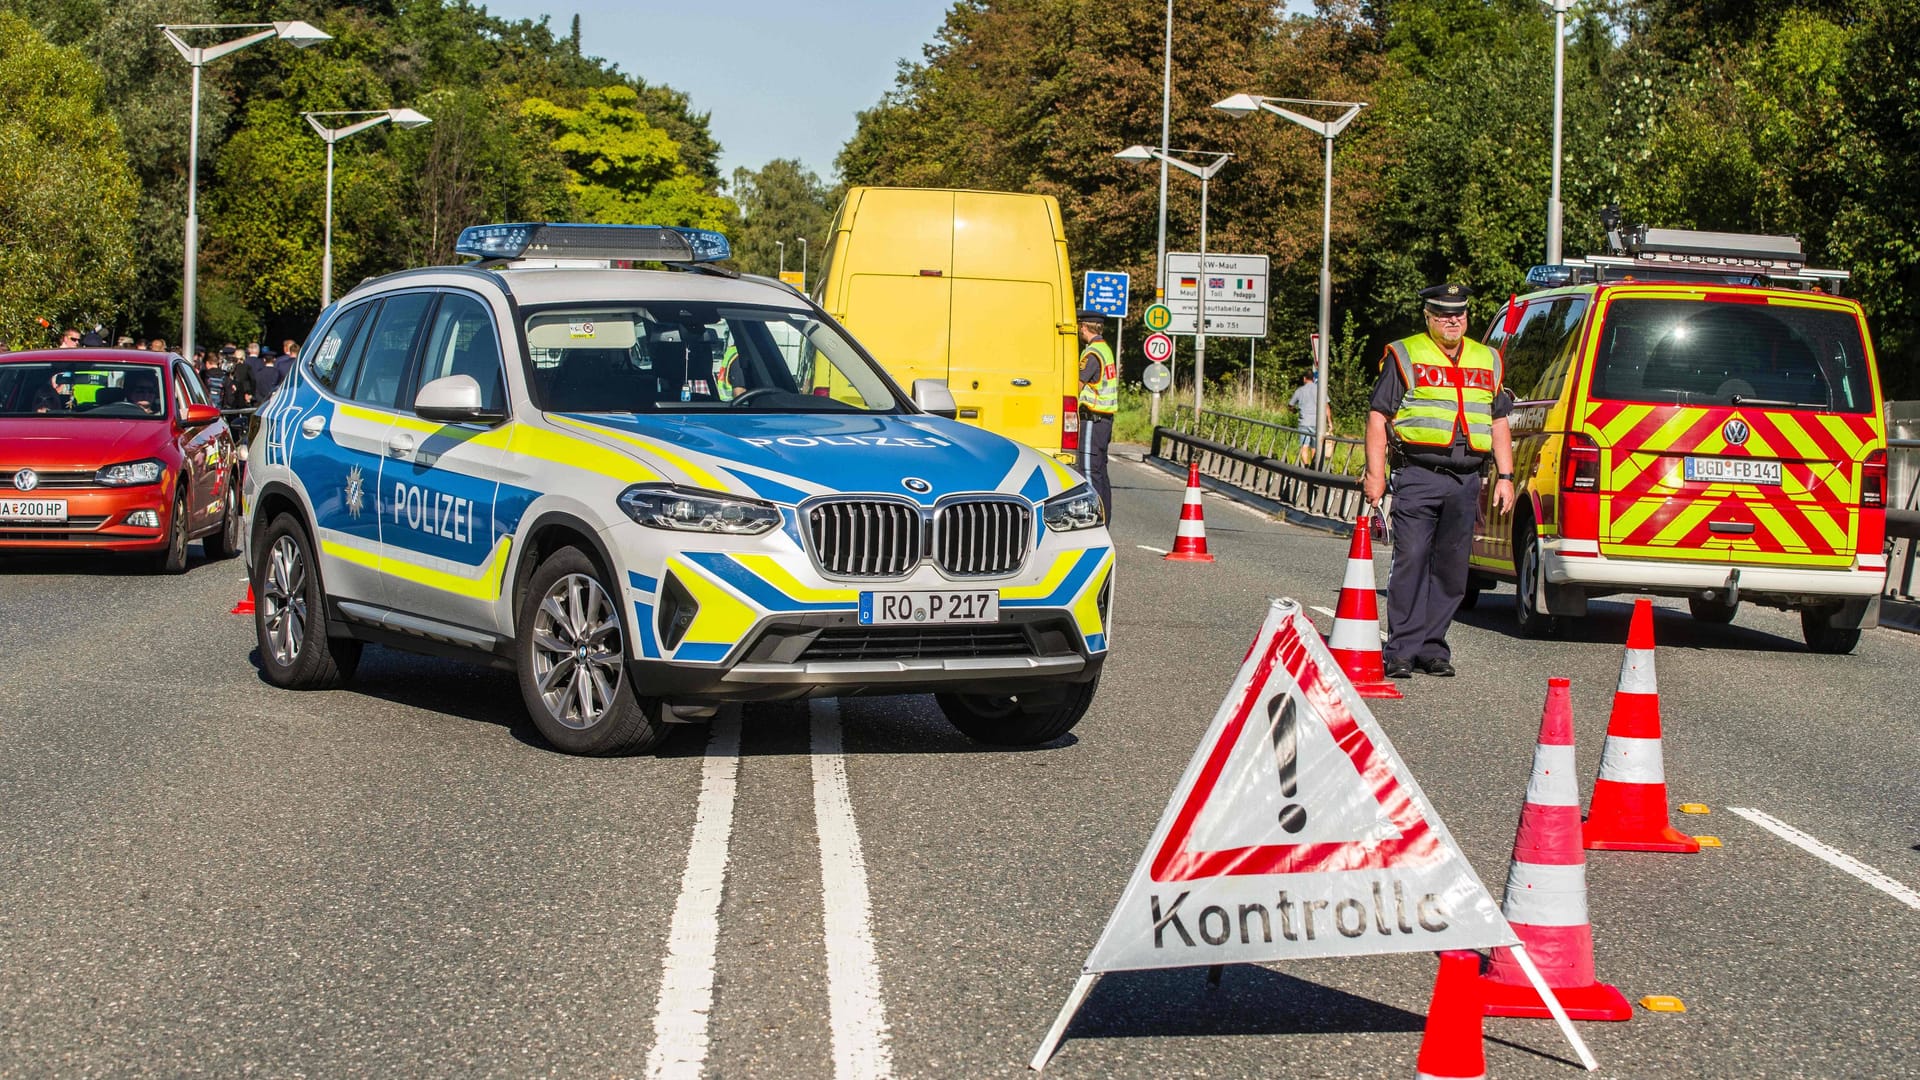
[1504,476]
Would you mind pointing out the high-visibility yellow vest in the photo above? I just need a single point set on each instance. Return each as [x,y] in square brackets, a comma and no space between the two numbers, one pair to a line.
[723,374]
[1102,396]
[1444,397]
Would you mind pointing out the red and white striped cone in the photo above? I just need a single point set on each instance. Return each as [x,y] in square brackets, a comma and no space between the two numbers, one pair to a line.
[1628,811]
[1190,540]
[1546,901]
[1355,641]
[1452,1047]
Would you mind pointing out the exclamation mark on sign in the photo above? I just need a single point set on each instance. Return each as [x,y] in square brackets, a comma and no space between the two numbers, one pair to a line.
[1286,752]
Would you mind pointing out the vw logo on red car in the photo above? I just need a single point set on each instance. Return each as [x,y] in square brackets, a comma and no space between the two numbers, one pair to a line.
[1735,431]
[26,480]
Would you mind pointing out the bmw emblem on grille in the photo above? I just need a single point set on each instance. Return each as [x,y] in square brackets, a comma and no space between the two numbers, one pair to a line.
[1735,431]
[26,480]
[917,485]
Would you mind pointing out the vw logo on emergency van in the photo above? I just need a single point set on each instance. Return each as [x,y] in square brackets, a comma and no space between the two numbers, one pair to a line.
[916,485]
[26,480]
[1735,432]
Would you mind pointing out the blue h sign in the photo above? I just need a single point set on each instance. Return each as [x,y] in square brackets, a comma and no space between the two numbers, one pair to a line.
[1106,293]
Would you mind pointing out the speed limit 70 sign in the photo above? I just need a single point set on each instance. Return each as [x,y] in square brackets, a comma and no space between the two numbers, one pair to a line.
[1158,347]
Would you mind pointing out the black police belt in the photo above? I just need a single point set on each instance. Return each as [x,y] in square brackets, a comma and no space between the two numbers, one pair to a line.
[1400,457]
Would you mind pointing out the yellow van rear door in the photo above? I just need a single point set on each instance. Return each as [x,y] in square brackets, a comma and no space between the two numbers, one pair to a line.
[1007,352]
[898,298]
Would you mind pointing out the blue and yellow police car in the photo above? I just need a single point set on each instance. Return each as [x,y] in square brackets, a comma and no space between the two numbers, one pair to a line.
[653,488]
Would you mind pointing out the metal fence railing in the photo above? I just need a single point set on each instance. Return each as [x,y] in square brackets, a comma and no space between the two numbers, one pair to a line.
[1903,501]
[1270,461]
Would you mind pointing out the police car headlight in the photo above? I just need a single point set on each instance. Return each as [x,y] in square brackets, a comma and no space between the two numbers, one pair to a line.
[1076,509]
[130,473]
[685,510]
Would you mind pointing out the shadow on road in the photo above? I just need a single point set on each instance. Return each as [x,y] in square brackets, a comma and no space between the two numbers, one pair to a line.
[1250,1000]
[1606,624]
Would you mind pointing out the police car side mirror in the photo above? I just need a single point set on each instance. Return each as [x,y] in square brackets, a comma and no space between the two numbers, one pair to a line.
[453,400]
[932,395]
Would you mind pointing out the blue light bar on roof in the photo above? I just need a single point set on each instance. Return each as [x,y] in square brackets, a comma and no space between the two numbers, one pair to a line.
[556,240]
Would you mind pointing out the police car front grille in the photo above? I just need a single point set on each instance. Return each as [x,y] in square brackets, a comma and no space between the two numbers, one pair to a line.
[917,643]
[866,538]
[981,537]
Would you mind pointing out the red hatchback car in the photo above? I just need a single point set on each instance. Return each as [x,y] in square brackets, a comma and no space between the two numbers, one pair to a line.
[113,450]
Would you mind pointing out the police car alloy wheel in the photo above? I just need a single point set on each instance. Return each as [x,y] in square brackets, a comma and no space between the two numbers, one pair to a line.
[572,663]
[290,621]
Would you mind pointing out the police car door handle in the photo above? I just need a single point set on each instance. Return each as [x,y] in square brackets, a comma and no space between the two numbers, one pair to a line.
[400,445]
[313,426]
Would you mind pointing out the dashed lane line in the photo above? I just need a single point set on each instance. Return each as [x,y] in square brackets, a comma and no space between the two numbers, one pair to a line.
[680,1037]
[1832,856]
[1150,547]
[862,1049]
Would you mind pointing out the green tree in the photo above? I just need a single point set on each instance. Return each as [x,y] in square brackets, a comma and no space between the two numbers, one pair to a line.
[781,201]
[621,169]
[67,192]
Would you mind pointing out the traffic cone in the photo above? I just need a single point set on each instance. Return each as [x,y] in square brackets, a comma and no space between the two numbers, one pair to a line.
[1628,811]
[1190,540]
[1451,1048]
[245,606]
[1355,641]
[1546,901]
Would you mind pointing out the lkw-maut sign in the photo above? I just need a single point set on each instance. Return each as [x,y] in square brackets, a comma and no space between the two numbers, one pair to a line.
[1236,287]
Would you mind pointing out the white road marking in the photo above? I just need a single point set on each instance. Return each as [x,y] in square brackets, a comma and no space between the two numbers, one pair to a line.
[1832,856]
[862,1049]
[1150,547]
[686,987]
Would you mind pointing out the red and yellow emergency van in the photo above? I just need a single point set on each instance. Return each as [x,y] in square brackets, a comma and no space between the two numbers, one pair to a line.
[1688,425]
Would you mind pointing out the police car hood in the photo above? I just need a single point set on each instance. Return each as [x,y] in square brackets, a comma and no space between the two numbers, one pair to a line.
[788,457]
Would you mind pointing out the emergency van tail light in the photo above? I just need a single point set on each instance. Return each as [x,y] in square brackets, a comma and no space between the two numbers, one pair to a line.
[661,506]
[1070,422]
[1583,465]
[1873,480]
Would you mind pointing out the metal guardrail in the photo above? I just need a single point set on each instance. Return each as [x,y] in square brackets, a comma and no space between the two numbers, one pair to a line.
[1903,502]
[1268,460]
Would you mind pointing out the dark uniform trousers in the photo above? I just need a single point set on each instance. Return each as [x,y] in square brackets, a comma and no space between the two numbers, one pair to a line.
[1096,434]
[1433,517]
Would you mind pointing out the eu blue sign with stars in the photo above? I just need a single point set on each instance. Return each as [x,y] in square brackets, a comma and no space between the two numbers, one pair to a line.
[1106,293]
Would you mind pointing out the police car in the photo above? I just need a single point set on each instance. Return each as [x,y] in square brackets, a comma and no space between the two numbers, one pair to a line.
[653,493]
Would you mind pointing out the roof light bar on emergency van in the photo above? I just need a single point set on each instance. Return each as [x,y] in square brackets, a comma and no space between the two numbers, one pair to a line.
[558,240]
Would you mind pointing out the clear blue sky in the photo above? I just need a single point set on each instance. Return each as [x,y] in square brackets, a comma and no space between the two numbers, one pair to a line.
[782,78]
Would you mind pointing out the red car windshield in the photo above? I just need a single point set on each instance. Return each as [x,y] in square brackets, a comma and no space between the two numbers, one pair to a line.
[93,389]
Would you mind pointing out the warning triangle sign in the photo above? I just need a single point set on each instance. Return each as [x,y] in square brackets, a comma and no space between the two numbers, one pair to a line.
[1295,832]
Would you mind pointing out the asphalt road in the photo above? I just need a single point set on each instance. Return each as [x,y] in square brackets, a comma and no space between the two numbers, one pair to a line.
[202,875]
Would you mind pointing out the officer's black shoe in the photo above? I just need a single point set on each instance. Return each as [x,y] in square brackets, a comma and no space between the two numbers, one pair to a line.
[1399,668]
[1434,665]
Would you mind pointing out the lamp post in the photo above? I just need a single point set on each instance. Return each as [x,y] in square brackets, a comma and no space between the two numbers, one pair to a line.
[1242,105]
[803,262]
[1559,97]
[1205,173]
[299,35]
[402,118]
[1166,117]
[782,245]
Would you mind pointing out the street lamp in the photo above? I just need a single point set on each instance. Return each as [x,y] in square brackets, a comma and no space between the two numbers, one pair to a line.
[803,262]
[402,118]
[1205,173]
[299,35]
[1242,105]
[782,245]
[1559,96]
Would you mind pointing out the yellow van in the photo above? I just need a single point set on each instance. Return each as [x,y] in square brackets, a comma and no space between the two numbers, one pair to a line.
[970,287]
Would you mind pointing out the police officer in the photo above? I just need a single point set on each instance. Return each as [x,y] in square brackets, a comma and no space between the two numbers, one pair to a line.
[1099,398]
[1441,407]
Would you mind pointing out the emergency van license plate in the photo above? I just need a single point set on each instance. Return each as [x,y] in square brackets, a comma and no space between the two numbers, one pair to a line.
[907,608]
[1720,470]
[33,510]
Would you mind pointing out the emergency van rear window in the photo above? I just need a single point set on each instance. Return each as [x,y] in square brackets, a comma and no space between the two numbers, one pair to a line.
[1712,352]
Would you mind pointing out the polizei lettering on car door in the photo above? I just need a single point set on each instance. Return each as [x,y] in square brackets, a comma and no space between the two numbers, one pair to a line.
[433,512]
[926,443]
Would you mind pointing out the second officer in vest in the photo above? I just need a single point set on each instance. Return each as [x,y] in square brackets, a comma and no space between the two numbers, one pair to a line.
[1438,413]
[1099,398]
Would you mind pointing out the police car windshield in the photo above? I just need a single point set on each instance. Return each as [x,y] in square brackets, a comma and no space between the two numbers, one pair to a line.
[682,356]
[102,391]
[1710,352]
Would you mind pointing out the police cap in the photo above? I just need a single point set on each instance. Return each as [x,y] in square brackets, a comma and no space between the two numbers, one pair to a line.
[1090,315]
[1447,299]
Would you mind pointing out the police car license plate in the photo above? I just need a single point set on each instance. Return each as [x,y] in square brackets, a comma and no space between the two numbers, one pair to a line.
[908,608]
[1720,470]
[33,510]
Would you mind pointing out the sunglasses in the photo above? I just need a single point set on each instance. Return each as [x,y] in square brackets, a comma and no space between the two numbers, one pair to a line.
[1445,315]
